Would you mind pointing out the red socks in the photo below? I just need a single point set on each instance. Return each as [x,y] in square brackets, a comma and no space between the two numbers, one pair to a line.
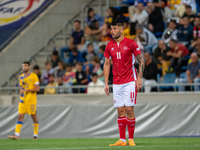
[131,127]
[122,121]
[122,127]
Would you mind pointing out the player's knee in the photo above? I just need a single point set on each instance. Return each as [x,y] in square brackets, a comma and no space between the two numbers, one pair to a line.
[20,117]
[121,112]
[129,111]
[34,117]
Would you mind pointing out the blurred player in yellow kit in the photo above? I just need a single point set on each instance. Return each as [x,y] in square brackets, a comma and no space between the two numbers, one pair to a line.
[29,86]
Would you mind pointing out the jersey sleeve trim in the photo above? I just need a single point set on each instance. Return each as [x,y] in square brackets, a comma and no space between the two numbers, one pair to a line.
[37,83]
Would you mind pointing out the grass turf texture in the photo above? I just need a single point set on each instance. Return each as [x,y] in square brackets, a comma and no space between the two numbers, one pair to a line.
[100,144]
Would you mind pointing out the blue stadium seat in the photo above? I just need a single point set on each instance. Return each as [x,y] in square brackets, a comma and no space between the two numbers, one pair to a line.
[158,78]
[183,68]
[183,75]
[159,34]
[197,8]
[168,78]
[128,2]
[127,18]
[118,7]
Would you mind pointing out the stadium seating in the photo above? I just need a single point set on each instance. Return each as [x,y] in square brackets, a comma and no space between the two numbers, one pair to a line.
[168,78]
[128,2]
[183,75]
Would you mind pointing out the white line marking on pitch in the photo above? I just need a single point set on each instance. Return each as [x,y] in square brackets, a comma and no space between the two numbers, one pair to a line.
[70,148]
[102,147]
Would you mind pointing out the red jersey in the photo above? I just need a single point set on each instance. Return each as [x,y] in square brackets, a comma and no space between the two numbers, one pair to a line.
[182,48]
[196,32]
[123,57]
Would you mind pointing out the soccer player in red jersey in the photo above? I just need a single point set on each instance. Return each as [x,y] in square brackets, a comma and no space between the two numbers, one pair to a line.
[126,82]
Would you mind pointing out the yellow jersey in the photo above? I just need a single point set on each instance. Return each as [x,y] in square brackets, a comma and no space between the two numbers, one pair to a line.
[174,2]
[127,34]
[28,83]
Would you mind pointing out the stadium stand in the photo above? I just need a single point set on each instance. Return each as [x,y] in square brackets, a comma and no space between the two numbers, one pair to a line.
[69,46]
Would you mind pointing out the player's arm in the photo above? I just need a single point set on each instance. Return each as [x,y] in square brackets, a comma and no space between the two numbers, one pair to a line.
[177,55]
[141,70]
[82,41]
[106,74]
[188,76]
[21,90]
[36,85]
[161,4]
[36,89]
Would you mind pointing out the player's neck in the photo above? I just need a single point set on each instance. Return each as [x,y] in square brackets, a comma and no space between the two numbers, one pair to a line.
[27,73]
[119,39]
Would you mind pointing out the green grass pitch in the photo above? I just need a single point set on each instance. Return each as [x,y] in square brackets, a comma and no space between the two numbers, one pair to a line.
[100,144]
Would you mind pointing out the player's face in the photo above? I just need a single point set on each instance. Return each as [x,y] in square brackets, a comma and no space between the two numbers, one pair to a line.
[51,79]
[172,25]
[76,26]
[188,10]
[198,41]
[197,21]
[172,44]
[48,66]
[186,21]
[140,6]
[90,48]
[194,58]
[116,32]
[68,69]
[94,79]
[139,31]
[79,67]
[60,81]
[161,44]
[147,57]
[25,68]
[36,71]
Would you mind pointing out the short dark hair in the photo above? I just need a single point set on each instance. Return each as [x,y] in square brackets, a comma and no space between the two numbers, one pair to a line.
[68,65]
[188,6]
[47,62]
[26,62]
[148,53]
[89,10]
[173,21]
[94,74]
[92,26]
[55,53]
[197,16]
[79,63]
[138,26]
[75,50]
[62,63]
[96,59]
[174,40]
[108,25]
[52,75]
[103,47]
[117,23]
[89,45]
[77,21]
[36,67]
[186,17]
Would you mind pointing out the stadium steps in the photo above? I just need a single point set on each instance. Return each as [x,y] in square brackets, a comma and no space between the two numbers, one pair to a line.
[59,41]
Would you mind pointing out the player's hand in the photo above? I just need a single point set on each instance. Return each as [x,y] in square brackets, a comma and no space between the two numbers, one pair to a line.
[169,53]
[106,89]
[22,91]
[138,84]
